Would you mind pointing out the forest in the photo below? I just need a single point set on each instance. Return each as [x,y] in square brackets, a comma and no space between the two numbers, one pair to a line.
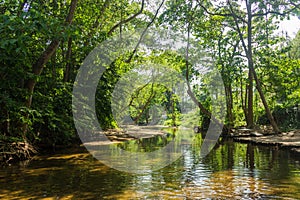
[45,43]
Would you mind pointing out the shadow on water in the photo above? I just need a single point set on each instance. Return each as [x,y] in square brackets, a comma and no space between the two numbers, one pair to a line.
[232,170]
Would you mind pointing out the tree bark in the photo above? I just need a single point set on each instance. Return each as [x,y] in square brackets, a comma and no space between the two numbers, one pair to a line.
[37,69]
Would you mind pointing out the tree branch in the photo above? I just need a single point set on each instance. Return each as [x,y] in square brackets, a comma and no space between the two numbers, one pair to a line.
[211,13]
[296,6]
[105,5]
[218,14]
[127,20]
[144,32]
[135,96]
[238,28]
[153,93]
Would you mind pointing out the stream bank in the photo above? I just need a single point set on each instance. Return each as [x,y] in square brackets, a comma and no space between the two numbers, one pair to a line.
[288,140]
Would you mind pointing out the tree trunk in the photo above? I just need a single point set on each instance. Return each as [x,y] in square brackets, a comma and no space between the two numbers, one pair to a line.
[249,53]
[68,59]
[37,69]
[263,99]
[53,62]
[244,100]
[252,74]
[252,71]
[229,104]
[205,111]
[227,86]
[250,116]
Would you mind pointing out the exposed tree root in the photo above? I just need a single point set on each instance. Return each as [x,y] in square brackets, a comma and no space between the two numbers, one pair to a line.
[15,151]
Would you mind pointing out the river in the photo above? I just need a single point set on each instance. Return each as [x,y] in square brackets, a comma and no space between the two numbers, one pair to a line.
[231,171]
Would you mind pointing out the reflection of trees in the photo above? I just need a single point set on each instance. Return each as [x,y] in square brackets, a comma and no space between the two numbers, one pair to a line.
[65,176]
[250,157]
[225,173]
[146,144]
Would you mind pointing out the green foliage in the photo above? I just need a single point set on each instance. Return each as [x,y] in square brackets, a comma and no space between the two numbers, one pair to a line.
[287,117]
[190,119]
[295,47]
[213,26]
[26,30]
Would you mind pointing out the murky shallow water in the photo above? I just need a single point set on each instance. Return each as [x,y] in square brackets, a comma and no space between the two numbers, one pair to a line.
[230,171]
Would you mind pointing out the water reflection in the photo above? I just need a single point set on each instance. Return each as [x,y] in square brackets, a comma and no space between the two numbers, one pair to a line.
[232,170]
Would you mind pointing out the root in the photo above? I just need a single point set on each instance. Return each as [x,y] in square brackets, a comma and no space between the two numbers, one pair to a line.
[15,151]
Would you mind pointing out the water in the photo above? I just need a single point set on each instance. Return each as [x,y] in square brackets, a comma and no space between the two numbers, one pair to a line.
[230,171]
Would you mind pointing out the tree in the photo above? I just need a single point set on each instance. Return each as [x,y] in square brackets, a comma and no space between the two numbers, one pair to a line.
[43,45]
[295,47]
[254,11]
[38,66]
[234,31]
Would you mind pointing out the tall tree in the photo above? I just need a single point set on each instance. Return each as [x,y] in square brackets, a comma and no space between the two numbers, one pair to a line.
[38,66]
[244,20]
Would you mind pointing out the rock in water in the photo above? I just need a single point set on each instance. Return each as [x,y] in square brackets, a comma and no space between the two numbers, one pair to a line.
[291,134]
